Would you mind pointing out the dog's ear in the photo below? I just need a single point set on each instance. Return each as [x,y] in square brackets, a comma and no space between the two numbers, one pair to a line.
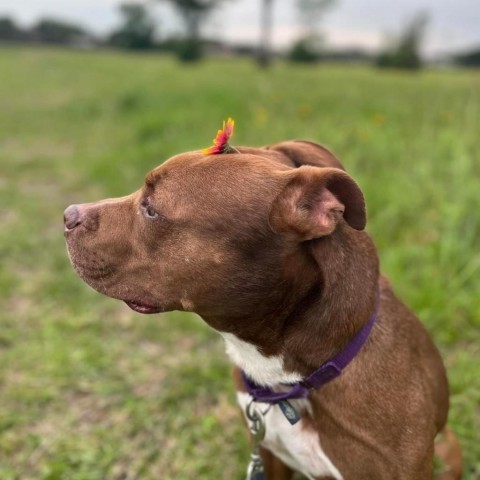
[303,152]
[314,200]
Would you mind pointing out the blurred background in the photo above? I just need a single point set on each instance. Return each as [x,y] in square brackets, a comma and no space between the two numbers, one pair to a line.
[94,93]
[406,35]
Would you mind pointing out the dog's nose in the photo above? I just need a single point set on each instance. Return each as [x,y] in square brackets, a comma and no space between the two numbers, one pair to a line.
[71,217]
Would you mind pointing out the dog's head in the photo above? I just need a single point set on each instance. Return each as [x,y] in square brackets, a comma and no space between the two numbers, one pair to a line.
[225,235]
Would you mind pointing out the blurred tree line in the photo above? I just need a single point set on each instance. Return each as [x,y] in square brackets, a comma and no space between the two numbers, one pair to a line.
[44,31]
[405,51]
[138,30]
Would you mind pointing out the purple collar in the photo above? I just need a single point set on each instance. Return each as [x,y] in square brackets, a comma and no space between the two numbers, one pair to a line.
[327,372]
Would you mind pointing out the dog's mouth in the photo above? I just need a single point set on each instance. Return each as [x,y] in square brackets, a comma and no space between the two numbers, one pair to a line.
[141,308]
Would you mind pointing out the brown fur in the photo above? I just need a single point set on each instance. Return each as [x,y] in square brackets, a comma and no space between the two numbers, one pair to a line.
[268,245]
[449,451]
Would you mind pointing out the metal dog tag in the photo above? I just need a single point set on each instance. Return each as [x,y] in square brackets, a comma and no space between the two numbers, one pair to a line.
[255,470]
[289,411]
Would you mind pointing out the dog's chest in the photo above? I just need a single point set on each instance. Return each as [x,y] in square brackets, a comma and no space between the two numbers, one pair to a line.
[298,446]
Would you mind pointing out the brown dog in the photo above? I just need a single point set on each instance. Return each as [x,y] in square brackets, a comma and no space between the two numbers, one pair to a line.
[267,246]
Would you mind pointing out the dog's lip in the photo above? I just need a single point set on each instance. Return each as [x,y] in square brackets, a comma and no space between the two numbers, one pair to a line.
[142,308]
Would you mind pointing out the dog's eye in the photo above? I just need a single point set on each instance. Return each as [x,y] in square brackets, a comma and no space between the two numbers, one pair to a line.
[149,211]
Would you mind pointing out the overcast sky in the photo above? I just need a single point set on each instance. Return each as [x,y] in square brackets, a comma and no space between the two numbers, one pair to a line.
[454,24]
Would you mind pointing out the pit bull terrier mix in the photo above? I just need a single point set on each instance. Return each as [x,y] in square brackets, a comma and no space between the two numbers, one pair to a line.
[267,246]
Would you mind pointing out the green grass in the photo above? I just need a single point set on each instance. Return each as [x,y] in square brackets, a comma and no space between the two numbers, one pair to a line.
[90,390]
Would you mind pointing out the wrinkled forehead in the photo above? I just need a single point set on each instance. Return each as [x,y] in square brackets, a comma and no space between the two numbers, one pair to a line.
[216,181]
[219,167]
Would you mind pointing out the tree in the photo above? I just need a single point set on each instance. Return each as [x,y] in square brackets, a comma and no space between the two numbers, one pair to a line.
[406,53]
[137,30]
[264,51]
[193,13]
[54,31]
[310,13]
[304,50]
[469,59]
[9,30]
[308,47]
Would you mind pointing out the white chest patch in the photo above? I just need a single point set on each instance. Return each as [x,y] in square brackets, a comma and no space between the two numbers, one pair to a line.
[266,371]
[296,445]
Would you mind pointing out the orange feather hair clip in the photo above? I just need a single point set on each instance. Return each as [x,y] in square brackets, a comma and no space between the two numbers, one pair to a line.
[220,142]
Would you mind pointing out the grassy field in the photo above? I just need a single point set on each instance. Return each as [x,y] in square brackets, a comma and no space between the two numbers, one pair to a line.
[90,390]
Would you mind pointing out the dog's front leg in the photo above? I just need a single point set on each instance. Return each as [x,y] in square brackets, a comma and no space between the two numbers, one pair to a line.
[275,469]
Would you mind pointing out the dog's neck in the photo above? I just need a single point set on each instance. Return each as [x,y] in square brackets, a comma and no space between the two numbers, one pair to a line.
[332,302]
[346,300]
